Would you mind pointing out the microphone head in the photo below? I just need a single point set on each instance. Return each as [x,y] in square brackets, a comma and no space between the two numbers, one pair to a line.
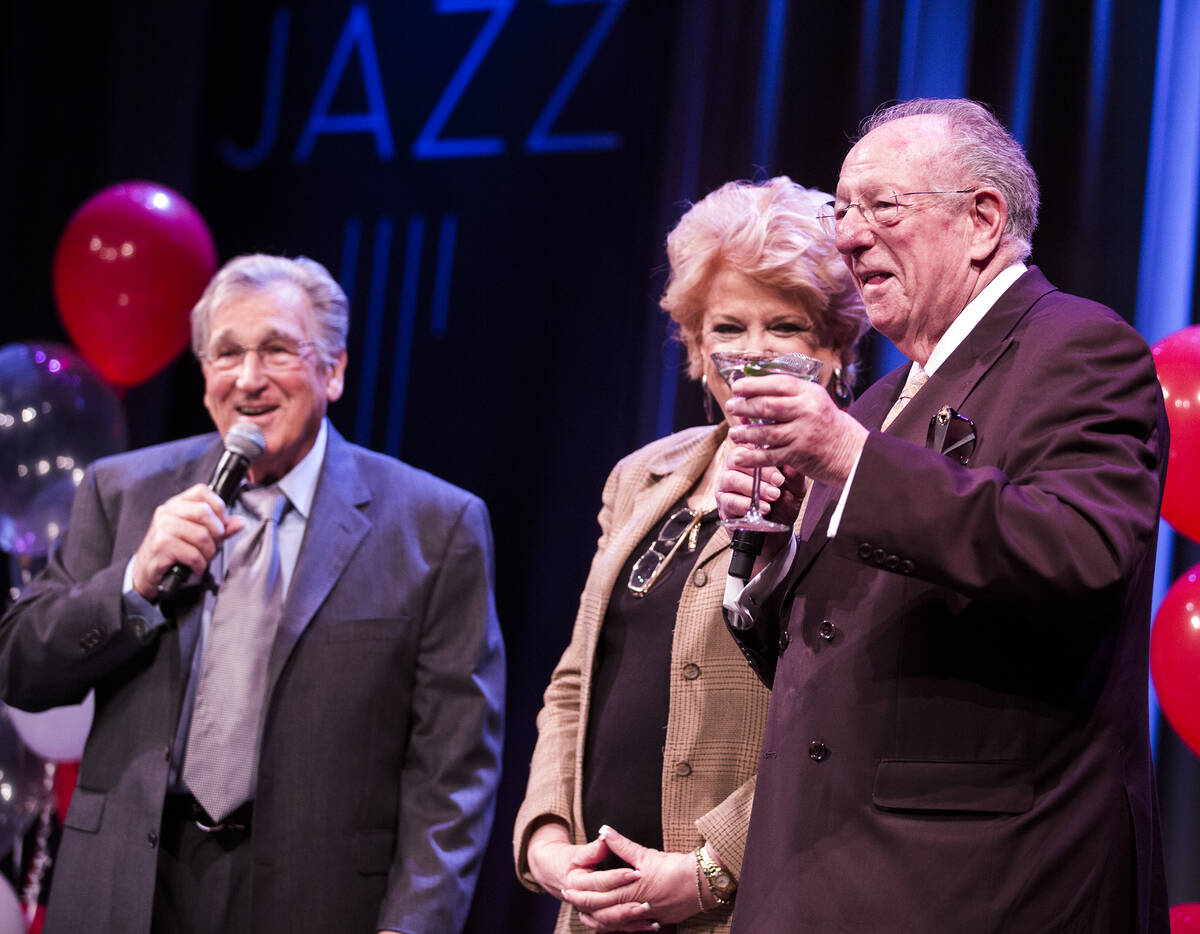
[246,439]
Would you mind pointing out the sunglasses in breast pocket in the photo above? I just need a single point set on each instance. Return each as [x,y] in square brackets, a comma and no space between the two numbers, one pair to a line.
[951,434]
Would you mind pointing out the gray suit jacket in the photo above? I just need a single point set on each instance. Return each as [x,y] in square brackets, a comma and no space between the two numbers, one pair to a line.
[958,733]
[382,739]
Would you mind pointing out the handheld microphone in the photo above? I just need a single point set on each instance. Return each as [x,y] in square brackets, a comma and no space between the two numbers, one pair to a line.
[747,546]
[244,443]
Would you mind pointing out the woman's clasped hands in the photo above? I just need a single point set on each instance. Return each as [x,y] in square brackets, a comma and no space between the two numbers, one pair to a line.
[659,889]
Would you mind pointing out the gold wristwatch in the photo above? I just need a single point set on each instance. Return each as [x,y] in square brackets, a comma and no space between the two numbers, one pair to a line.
[720,881]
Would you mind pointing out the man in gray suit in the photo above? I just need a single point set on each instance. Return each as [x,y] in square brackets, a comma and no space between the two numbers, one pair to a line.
[373,706]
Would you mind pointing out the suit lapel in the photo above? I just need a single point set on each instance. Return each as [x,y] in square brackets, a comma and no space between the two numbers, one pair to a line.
[950,385]
[869,410]
[669,475]
[961,372]
[338,525]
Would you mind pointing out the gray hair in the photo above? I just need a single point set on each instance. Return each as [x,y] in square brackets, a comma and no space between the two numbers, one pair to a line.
[258,272]
[986,153]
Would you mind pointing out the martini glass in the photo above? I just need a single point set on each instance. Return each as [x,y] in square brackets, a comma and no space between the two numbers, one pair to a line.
[735,364]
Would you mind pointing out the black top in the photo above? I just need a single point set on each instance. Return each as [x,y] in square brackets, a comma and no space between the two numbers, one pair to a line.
[630,700]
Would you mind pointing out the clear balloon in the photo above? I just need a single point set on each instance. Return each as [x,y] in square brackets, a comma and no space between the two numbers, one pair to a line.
[12,917]
[56,416]
[130,264]
[57,734]
[23,787]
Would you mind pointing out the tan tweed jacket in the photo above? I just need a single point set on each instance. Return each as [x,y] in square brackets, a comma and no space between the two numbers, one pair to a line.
[717,706]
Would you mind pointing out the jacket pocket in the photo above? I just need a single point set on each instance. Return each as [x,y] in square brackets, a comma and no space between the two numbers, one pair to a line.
[85,811]
[980,787]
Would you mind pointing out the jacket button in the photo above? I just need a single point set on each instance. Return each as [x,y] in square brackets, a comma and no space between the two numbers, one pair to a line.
[878,555]
[864,551]
[152,838]
[907,567]
[91,639]
[827,630]
[691,671]
[785,639]
[818,752]
[683,769]
[892,562]
[700,578]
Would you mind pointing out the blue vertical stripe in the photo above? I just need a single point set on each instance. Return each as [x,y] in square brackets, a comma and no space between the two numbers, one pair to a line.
[868,56]
[351,237]
[934,55]
[1167,264]
[770,76]
[1025,70]
[370,363]
[404,333]
[1097,95]
[935,48]
[442,277]
[698,26]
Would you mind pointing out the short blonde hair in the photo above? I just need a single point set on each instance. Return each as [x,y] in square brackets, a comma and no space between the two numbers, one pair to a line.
[769,232]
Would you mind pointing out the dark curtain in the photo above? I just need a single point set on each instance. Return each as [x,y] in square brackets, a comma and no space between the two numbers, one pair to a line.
[493,187]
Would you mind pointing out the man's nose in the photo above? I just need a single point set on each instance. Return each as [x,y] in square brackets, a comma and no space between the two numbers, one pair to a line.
[853,231]
[251,372]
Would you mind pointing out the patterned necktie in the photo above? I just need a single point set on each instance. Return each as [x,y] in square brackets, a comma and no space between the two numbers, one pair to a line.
[916,379]
[221,762]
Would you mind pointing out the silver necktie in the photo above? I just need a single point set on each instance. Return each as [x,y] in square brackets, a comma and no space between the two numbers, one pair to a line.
[221,762]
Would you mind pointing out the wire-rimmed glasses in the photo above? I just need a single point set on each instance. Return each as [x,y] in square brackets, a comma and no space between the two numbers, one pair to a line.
[650,565]
[880,207]
[275,354]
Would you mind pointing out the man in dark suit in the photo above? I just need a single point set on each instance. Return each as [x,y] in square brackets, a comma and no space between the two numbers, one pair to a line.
[958,732]
[371,712]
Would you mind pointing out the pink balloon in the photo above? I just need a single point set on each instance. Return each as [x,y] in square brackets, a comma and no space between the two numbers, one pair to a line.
[1175,656]
[129,266]
[1185,918]
[1177,358]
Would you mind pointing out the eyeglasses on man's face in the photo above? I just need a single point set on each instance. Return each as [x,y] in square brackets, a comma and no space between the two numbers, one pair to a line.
[277,354]
[880,207]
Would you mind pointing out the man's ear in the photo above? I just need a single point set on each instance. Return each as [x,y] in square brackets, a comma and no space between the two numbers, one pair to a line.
[335,378]
[989,214]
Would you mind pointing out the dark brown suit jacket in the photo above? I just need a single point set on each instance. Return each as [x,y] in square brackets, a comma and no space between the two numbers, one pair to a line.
[958,732]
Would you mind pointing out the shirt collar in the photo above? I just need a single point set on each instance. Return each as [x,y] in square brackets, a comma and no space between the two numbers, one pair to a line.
[300,483]
[970,316]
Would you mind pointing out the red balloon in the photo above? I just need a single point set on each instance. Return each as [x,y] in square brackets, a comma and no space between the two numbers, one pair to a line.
[66,774]
[1175,656]
[1185,919]
[1177,357]
[129,266]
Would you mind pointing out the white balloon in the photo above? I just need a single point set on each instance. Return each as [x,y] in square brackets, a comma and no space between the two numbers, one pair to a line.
[57,734]
[12,918]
